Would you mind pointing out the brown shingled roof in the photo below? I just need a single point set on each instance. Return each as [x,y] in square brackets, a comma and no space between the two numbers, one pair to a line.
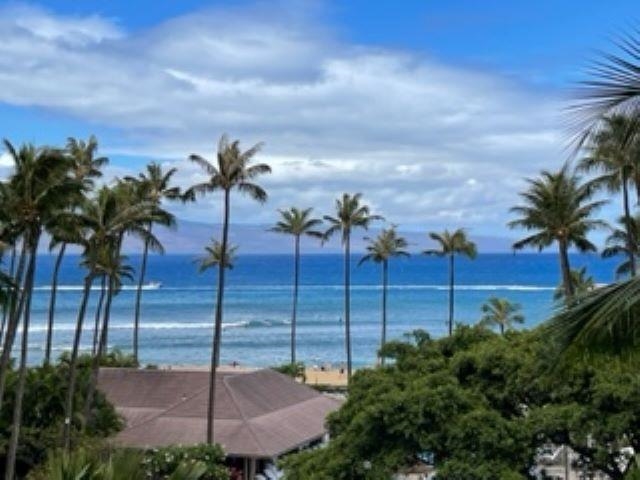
[260,414]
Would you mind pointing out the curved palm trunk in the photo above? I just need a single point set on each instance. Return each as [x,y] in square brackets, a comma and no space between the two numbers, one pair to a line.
[96,325]
[385,282]
[451,292]
[565,268]
[136,322]
[502,328]
[217,329]
[95,364]
[15,311]
[5,313]
[347,301]
[22,376]
[73,364]
[52,304]
[631,240]
[296,279]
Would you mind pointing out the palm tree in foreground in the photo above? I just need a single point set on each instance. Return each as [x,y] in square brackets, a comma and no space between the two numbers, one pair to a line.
[502,313]
[350,214]
[233,170]
[296,222]
[451,244]
[558,208]
[385,246]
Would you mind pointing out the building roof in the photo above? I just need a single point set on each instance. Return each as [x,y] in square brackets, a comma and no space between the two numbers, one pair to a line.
[260,414]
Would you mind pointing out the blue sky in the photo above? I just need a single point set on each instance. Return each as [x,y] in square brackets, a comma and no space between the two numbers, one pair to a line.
[436,111]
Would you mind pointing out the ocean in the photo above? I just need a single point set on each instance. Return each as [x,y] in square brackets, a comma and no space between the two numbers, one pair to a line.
[177,317]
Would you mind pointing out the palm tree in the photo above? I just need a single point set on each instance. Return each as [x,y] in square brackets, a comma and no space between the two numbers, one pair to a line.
[582,284]
[619,243]
[152,187]
[84,167]
[232,171]
[216,257]
[451,244]
[350,214]
[296,222]
[558,208]
[387,245]
[39,186]
[502,313]
[612,153]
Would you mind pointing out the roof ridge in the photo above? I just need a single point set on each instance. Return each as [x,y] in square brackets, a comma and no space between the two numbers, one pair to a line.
[245,420]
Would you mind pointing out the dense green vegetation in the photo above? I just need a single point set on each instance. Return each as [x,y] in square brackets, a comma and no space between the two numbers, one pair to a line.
[479,406]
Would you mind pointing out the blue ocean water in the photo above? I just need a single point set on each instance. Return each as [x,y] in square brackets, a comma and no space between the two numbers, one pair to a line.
[176,324]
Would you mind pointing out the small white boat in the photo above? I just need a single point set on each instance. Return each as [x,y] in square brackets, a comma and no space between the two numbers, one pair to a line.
[152,286]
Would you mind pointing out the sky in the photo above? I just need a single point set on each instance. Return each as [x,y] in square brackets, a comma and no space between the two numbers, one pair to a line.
[435,111]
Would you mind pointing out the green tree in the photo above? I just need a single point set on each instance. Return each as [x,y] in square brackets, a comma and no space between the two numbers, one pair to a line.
[379,250]
[350,214]
[217,257]
[582,284]
[451,244]
[296,222]
[502,313]
[153,187]
[558,209]
[233,170]
[619,243]
[613,155]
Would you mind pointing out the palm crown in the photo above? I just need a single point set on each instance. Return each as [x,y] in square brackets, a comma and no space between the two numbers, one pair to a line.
[297,222]
[215,256]
[452,243]
[349,214]
[386,245]
[500,312]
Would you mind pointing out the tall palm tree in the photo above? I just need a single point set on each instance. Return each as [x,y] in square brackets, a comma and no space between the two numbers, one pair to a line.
[153,187]
[84,167]
[103,221]
[39,187]
[379,250]
[350,214]
[619,243]
[558,209]
[451,244]
[233,170]
[502,313]
[611,153]
[296,222]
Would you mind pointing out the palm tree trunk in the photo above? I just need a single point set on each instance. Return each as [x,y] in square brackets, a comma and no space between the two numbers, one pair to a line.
[347,301]
[52,303]
[631,240]
[15,311]
[217,329]
[5,314]
[95,364]
[73,370]
[136,323]
[22,376]
[296,279]
[565,268]
[451,292]
[96,326]
[385,281]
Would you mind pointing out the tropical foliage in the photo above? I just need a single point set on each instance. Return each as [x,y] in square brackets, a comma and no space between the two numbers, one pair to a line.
[501,313]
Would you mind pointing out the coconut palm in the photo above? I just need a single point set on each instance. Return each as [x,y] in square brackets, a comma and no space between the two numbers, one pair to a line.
[502,313]
[451,244]
[39,186]
[619,243]
[84,167]
[379,250]
[558,209]
[153,187]
[103,221]
[350,214]
[611,153]
[216,257]
[233,170]
[296,222]
[582,284]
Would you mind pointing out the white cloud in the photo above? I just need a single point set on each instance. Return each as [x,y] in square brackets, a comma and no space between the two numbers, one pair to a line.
[427,143]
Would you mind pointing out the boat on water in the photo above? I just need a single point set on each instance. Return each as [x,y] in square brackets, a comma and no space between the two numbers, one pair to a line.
[152,285]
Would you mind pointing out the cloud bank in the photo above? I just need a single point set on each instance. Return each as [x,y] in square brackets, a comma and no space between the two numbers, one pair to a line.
[431,145]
